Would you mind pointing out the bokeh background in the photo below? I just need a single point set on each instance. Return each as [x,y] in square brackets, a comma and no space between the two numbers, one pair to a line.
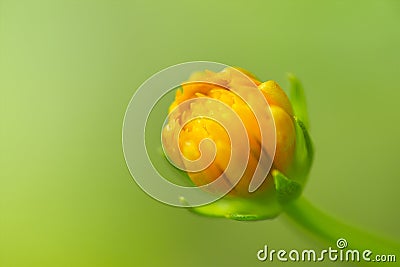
[69,68]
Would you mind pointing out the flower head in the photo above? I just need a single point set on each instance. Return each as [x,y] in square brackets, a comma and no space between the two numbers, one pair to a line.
[239,203]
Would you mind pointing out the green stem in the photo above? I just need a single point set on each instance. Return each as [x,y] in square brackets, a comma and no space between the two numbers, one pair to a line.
[330,229]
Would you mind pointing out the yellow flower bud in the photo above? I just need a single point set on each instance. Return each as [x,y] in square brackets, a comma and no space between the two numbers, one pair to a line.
[201,128]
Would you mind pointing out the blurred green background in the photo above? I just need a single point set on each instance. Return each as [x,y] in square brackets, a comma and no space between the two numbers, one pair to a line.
[69,68]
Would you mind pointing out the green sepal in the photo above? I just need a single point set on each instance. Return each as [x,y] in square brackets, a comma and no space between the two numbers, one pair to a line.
[304,154]
[298,100]
[253,208]
[287,190]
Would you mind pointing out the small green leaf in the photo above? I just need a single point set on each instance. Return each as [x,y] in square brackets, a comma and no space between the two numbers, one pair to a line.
[287,190]
[298,100]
